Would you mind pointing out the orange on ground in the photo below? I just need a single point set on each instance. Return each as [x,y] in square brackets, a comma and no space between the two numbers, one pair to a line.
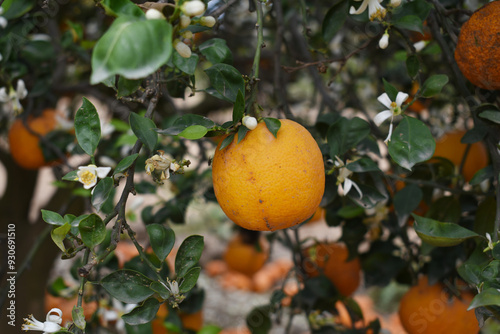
[66,306]
[450,147]
[330,259]
[24,145]
[246,254]
[478,52]
[429,309]
[266,183]
[190,321]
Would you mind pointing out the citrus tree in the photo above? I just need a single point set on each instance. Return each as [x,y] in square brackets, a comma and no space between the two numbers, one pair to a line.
[382,114]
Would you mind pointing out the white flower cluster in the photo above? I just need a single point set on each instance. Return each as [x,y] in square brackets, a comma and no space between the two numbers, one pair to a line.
[52,322]
[13,97]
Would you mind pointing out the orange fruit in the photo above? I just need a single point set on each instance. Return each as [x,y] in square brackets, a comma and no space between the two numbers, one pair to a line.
[429,309]
[318,215]
[24,145]
[265,183]
[246,253]
[450,147]
[331,260]
[190,321]
[477,53]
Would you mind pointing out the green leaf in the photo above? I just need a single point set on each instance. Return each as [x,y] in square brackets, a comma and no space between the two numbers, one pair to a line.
[346,134]
[434,85]
[209,329]
[363,165]
[216,51]
[125,163]
[131,48]
[127,87]
[334,20]
[186,121]
[71,176]
[391,91]
[226,80]
[441,234]
[162,240]
[411,143]
[486,297]
[242,132]
[445,209]
[92,230]
[491,115]
[490,273]
[188,255]
[412,66]
[239,107]
[16,8]
[273,125]
[87,127]
[407,199]
[259,320]
[228,140]
[78,317]
[189,280]
[143,313]
[127,286]
[186,65]
[121,7]
[194,132]
[59,234]
[101,192]
[409,22]
[144,128]
[481,175]
[51,217]
[160,289]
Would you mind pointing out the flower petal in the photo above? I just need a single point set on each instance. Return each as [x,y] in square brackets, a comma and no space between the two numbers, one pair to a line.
[358,189]
[102,171]
[21,91]
[389,134]
[385,100]
[4,97]
[400,98]
[347,186]
[382,116]
[361,8]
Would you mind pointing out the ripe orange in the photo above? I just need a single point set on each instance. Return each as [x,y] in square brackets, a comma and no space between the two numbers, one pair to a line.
[429,309]
[265,183]
[190,321]
[247,253]
[24,145]
[450,147]
[477,53]
[330,259]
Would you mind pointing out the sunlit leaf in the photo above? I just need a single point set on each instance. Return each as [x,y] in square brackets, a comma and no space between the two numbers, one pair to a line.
[441,234]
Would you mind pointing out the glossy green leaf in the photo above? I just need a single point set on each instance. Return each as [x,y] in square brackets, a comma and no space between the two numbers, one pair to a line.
[391,91]
[491,115]
[409,22]
[242,132]
[101,192]
[334,20]
[481,175]
[363,165]
[239,107]
[189,280]
[125,163]
[441,234]
[51,217]
[188,255]
[226,142]
[127,286]
[412,66]
[209,329]
[407,199]
[186,121]
[411,143]
[470,272]
[186,65]
[160,289]
[59,234]
[346,134]
[259,320]
[121,7]
[92,230]
[434,85]
[131,48]
[127,87]
[78,317]
[486,297]
[216,51]
[491,272]
[144,129]
[142,314]
[162,240]
[87,127]
[194,132]
[273,125]
[226,80]
[71,176]
[16,8]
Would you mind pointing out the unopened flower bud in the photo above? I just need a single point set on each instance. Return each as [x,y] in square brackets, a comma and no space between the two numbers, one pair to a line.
[182,49]
[154,14]
[184,21]
[187,34]
[249,122]
[193,8]
[395,3]
[384,41]
[208,21]
[419,46]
